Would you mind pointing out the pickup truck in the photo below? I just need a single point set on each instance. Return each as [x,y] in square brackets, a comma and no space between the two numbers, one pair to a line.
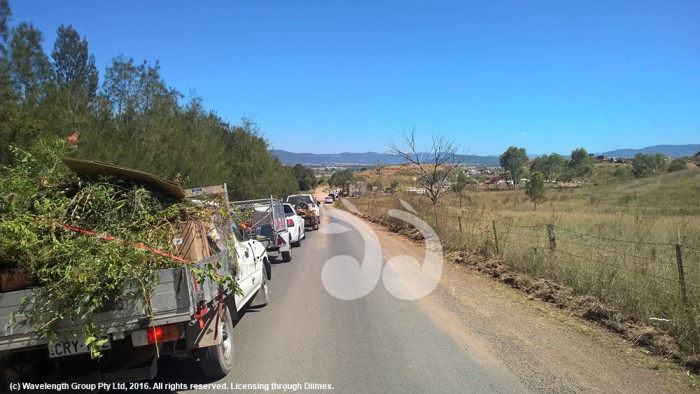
[306,202]
[192,315]
[265,221]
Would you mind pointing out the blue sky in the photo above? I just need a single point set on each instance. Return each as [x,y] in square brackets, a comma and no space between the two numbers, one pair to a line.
[346,76]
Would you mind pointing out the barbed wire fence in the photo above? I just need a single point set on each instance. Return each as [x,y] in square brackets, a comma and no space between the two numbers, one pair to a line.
[624,271]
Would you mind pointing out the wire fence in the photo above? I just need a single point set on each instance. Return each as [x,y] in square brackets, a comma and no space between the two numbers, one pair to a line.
[601,263]
[636,266]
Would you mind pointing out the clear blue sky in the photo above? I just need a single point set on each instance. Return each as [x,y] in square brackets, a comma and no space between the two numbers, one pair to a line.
[345,76]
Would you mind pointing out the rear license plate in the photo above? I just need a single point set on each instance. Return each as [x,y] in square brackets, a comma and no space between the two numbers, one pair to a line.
[71,347]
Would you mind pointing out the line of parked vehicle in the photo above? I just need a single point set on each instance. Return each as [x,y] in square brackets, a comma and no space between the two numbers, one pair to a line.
[188,315]
[278,224]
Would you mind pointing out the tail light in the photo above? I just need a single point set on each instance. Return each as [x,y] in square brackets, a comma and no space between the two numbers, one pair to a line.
[280,241]
[158,334]
[290,223]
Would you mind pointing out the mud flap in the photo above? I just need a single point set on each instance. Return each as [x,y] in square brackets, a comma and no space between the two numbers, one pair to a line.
[208,335]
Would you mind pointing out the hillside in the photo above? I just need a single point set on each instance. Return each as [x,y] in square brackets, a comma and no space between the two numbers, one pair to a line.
[668,150]
[363,159]
[372,158]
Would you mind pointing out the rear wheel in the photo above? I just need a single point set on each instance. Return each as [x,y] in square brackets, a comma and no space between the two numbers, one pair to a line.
[217,361]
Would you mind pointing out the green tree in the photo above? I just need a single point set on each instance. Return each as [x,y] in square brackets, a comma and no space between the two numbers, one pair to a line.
[76,77]
[660,162]
[459,185]
[513,162]
[120,86]
[678,165]
[580,164]
[30,69]
[534,188]
[552,167]
[643,165]
[341,178]
[5,15]
[305,177]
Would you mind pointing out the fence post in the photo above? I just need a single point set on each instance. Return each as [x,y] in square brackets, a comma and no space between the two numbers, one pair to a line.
[681,275]
[552,238]
[495,237]
[459,219]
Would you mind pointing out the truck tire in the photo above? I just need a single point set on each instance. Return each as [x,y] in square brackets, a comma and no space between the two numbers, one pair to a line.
[316,226]
[287,256]
[217,361]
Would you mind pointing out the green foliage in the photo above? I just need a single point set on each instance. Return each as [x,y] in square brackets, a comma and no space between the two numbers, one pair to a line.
[76,79]
[513,161]
[623,172]
[305,177]
[30,69]
[46,212]
[460,183]
[340,178]
[581,164]
[644,165]
[5,14]
[534,188]
[135,119]
[552,167]
[679,164]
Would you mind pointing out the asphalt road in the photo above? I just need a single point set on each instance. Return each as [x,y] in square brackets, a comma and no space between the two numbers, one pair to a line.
[306,338]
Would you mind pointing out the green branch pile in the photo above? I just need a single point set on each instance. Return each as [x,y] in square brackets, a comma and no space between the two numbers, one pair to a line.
[79,273]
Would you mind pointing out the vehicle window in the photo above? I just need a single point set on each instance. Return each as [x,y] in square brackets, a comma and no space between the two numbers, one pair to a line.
[295,200]
[288,210]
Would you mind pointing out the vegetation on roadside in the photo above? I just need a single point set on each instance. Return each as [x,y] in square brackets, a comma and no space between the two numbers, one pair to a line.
[128,116]
[616,241]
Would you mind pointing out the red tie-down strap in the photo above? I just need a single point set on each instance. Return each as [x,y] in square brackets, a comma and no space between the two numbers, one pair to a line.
[199,316]
[107,237]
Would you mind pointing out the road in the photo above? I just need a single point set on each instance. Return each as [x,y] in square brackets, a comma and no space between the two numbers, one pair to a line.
[377,343]
[470,335]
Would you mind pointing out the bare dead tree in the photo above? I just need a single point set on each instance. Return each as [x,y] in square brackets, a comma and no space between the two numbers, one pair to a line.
[434,168]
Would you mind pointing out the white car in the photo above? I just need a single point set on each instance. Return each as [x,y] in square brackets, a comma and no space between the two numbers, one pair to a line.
[295,225]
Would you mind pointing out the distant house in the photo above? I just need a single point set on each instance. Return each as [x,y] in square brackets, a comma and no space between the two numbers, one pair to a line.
[357,189]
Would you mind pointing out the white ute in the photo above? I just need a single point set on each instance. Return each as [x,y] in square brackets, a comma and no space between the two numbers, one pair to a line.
[192,317]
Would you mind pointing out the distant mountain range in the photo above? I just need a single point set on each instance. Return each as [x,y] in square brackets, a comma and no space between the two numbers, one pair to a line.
[372,158]
[668,150]
[362,159]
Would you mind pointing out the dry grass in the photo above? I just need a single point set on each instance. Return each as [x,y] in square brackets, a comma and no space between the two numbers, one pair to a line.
[614,241]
